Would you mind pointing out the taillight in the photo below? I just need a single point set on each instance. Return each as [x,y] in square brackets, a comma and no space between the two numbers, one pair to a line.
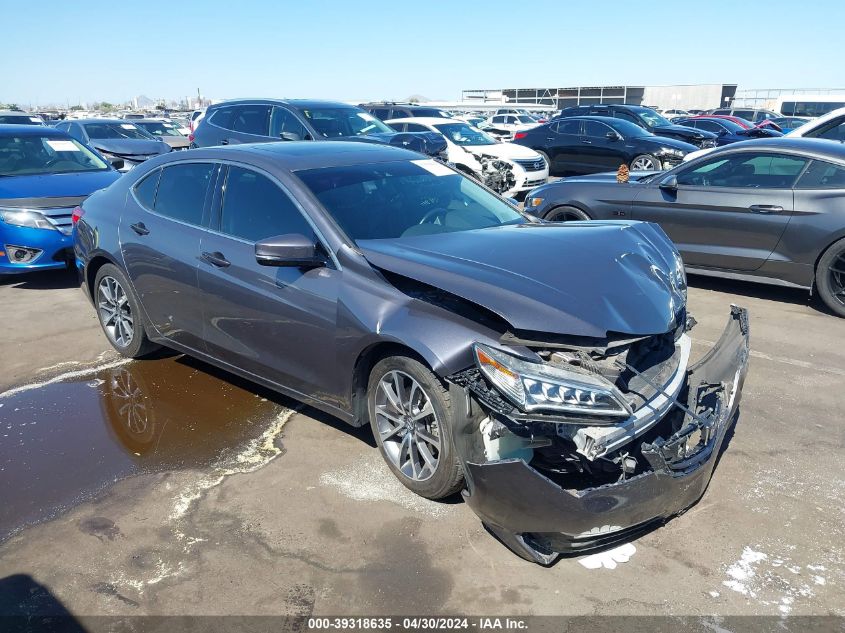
[78,212]
[520,135]
[191,137]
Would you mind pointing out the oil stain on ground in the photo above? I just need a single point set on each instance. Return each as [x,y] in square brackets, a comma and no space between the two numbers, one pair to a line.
[66,440]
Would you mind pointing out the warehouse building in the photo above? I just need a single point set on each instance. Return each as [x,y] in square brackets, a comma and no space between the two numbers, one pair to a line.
[662,97]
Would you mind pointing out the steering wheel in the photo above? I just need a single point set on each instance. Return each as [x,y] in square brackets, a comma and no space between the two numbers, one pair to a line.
[432,215]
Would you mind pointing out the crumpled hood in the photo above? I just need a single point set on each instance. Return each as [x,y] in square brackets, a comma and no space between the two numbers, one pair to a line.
[578,278]
[130,146]
[689,132]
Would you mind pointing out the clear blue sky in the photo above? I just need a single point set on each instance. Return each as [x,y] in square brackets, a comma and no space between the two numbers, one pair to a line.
[80,50]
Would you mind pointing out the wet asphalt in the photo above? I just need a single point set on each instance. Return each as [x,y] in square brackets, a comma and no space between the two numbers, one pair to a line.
[168,487]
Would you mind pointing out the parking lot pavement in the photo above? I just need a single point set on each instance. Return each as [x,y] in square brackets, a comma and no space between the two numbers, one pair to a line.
[183,511]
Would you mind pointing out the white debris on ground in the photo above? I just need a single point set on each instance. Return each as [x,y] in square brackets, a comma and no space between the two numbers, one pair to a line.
[369,479]
[609,559]
[70,375]
[772,581]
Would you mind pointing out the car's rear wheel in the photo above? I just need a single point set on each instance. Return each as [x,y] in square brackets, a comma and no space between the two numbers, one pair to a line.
[566,214]
[830,277]
[645,162]
[411,417]
[120,316]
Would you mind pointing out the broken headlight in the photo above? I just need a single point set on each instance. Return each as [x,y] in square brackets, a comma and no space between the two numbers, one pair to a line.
[538,386]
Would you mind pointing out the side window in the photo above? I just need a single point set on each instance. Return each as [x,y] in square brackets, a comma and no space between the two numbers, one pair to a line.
[145,190]
[709,126]
[571,126]
[416,127]
[254,208]
[745,114]
[833,130]
[252,119]
[627,116]
[723,111]
[398,113]
[381,113]
[498,119]
[746,170]
[399,127]
[822,175]
[223,118]
[595,129]
[284,124]
[510,119]
[181,191]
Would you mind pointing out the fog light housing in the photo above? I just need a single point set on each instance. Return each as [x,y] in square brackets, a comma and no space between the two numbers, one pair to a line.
[22,254]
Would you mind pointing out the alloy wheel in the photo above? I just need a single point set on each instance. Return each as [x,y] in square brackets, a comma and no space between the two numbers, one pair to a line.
[837,277]
[115,312]
[407,425]
[644,163]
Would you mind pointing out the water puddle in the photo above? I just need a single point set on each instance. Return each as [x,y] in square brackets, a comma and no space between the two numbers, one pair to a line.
[66,439]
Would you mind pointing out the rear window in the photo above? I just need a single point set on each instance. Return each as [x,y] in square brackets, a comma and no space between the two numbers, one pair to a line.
[181,191]
[252,119]
[145,191]
[822,175]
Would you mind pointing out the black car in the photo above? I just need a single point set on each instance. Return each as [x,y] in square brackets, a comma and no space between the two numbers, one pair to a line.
[116,139]
[385,111]
[647,119]
[770,210]
[389,290]
[590,144]
[264,120]
[727,131]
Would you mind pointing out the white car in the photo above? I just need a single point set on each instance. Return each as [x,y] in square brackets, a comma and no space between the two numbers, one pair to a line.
[466,144]
[196,117]
[510,124]
[831,126]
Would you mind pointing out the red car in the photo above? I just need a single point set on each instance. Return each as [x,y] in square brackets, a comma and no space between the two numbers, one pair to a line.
[740,121]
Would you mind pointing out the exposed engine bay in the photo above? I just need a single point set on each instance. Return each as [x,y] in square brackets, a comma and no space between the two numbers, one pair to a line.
[496,173]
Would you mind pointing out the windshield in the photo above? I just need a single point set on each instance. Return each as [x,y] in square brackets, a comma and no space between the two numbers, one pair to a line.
[651,118]
[334,122]
[159,128]
[524,118]
[27,155]
[115,131]
[628,129]
[464,134]
[404,199]
[20,119]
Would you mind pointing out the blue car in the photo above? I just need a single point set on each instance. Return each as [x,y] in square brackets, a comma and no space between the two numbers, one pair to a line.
[44,175]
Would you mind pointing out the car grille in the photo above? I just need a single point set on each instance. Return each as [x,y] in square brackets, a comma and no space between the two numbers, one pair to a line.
[534,183]
[60,218]
[531,164]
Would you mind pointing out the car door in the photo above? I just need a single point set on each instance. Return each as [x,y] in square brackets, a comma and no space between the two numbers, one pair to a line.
[286,126]
[598,152]
[160,234]
[275,322]
[250,124]
[563,145]
[727,212]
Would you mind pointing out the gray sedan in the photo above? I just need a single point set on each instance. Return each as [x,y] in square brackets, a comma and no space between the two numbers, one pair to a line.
[770,210]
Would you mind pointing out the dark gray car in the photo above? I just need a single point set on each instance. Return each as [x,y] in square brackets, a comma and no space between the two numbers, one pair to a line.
[265,120]
[116,139]
[770,210]
[387,289]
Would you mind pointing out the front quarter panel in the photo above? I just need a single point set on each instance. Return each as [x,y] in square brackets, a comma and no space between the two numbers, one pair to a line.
[601,201]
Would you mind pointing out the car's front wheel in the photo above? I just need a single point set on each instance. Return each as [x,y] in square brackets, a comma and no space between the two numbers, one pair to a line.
[830,277]
[411,416]
[566,214]
[119,313]
[645,162]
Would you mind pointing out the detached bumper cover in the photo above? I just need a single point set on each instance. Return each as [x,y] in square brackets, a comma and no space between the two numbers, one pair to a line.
[538,519]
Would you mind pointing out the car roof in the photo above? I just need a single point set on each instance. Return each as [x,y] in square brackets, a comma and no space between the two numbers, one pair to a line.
[17,113]
[10,129]
[297,103]
[425,120]
[100,120]
[299,155]
[811,147]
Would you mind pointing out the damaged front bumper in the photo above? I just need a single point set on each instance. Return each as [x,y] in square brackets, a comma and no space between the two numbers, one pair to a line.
[539,518]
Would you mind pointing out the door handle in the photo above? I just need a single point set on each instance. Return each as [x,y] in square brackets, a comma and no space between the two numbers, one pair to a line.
[550,138]
[765,208]
[216,259]
[139,228]
[225,141]
[586,141]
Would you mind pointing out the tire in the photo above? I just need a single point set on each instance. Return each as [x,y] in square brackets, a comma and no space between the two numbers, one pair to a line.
[547,159]
[407,446]
[830,277]
[119,313]
[566,214]
[639,163]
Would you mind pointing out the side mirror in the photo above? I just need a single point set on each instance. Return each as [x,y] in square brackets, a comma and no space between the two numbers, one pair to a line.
[670,183]
[613,136]
[293,250]
[117,163]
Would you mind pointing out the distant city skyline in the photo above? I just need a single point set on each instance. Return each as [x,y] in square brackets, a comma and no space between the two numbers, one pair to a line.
[90,51]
